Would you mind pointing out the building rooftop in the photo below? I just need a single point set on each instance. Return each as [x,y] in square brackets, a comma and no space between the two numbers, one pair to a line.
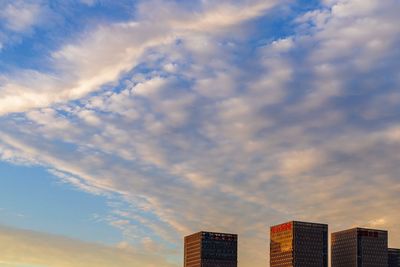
[301,222]
[214,233]
[361,229]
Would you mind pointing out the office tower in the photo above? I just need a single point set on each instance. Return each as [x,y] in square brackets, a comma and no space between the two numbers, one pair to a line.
[207,249]
[394,257]
[299,244]
[360,247]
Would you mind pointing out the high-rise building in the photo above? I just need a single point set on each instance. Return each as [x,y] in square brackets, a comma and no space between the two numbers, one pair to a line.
[394,257]
[360,247]
[299,244]
[208,249]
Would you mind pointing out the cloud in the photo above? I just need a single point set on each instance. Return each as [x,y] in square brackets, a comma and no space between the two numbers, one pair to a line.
[22,248]
[21,16]
[298,162]
[237,136]
[21,19]
[89,2]
[97,60]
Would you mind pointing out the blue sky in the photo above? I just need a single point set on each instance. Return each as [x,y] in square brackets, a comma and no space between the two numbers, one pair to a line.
[125,125]
[54,206]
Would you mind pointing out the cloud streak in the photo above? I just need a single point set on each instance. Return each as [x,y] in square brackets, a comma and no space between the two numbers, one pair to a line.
[190,124]
[96,60]
[22,248]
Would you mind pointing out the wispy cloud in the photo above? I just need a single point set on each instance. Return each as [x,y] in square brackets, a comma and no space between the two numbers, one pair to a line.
[95,60]
[27,248]
[21,16]
[194,125]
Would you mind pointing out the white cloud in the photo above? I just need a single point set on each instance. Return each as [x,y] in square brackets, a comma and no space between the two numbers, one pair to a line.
[89,2]
[97,59]
[21,16]
[295,163]
[300,128]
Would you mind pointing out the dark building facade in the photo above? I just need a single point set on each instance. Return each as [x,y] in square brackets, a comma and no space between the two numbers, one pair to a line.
[394,257]
[208,249]
[299,244]
[360,247]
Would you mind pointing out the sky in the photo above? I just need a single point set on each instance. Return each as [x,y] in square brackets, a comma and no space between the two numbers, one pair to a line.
[126,125]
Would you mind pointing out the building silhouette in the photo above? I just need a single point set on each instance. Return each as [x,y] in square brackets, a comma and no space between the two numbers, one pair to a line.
[299,244]
[394,257]
[360,247]
[208,249]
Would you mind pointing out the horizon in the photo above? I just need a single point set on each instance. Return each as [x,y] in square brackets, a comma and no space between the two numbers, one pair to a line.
[127,125]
